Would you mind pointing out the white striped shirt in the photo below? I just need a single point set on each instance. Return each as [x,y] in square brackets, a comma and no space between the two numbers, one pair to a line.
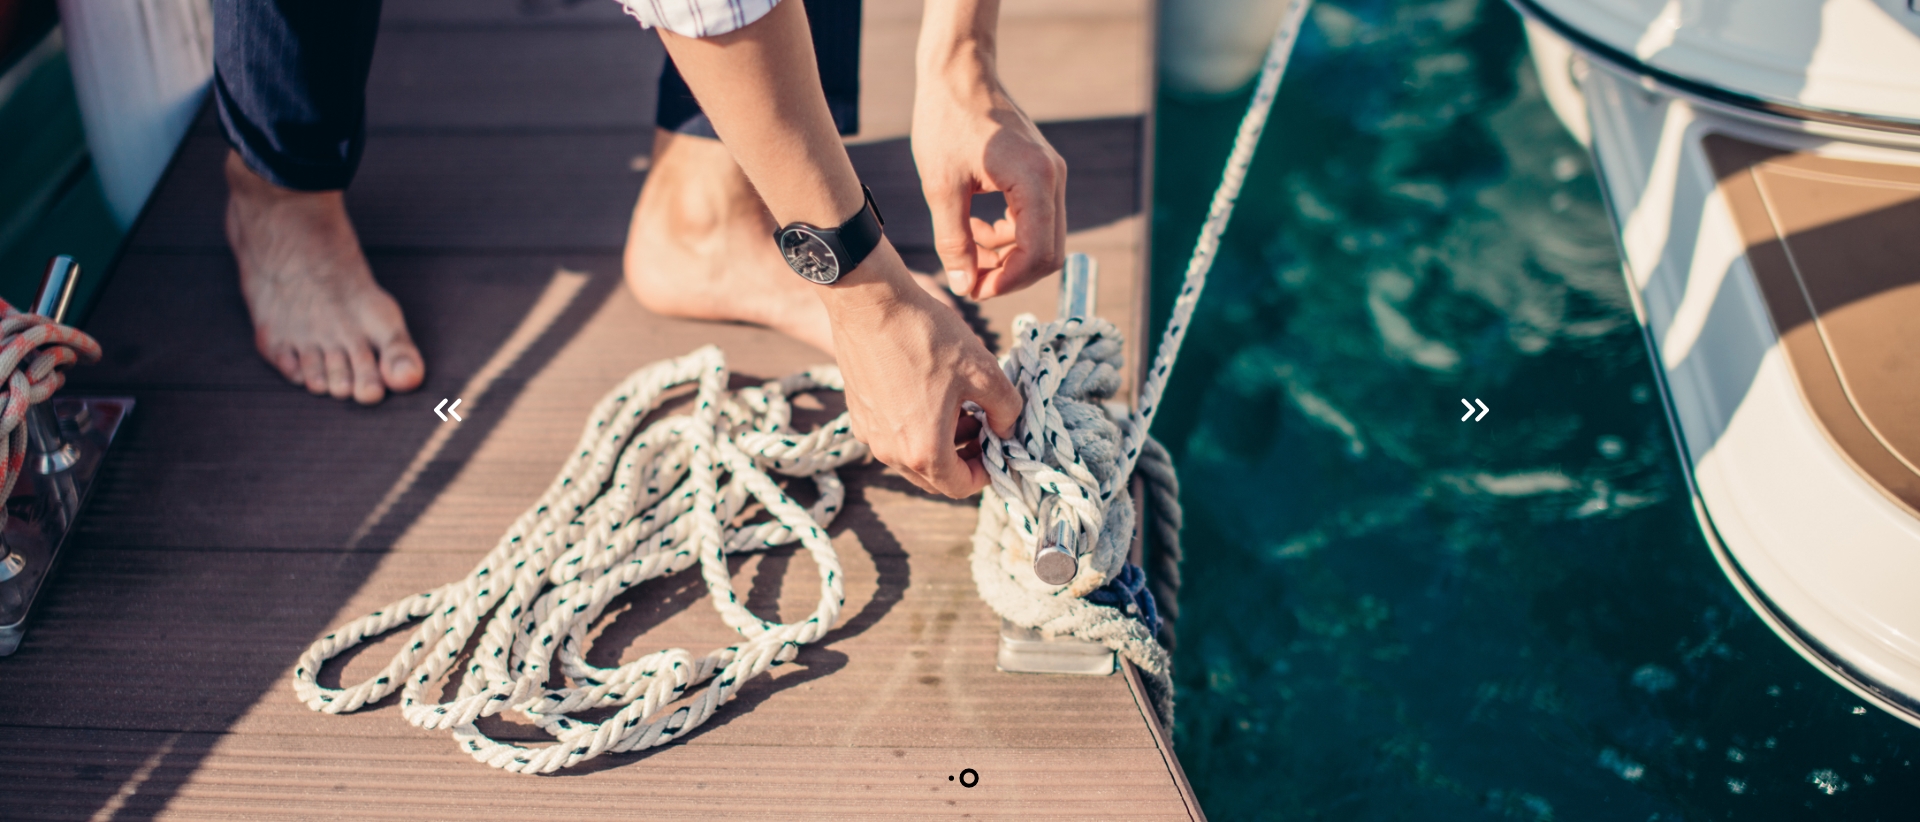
[698,18]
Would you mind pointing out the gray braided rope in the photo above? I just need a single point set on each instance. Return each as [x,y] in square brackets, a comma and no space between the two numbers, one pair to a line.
[1073,449]
[629,506]
[1162,554]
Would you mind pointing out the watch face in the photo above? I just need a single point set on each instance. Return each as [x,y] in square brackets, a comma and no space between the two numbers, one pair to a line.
[809,256]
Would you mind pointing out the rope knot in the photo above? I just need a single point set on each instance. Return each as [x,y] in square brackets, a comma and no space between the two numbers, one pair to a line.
[1067,464]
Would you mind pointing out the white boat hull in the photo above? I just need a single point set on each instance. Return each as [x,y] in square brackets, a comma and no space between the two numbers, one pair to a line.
[1828,558]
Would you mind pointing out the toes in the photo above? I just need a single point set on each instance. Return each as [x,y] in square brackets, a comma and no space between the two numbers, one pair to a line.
[313,369]
[339,374]
[367,387]
[287,362]
[401,367]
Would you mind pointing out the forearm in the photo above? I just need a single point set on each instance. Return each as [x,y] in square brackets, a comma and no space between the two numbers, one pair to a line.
[772,115]
[958,41]
[760,88]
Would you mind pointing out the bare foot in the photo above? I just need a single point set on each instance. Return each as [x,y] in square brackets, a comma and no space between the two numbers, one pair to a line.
[318,316]
[701,247]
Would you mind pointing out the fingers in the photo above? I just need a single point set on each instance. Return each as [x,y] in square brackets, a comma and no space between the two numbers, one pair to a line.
[951,204]
[997,396]
[1037,209]
[951,470]
[954,477]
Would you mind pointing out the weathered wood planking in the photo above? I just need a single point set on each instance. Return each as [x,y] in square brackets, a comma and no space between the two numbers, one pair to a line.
[239,518]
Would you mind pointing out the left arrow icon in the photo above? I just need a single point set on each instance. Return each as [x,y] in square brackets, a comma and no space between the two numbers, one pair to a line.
[450,410]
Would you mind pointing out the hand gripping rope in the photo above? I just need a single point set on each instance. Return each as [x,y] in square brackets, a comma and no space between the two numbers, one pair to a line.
[1070,456]
[630,507]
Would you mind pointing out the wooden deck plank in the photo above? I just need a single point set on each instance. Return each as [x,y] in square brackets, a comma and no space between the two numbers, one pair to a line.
[574,190]
[240,519]
[243,776]
[505,77]
[472,190]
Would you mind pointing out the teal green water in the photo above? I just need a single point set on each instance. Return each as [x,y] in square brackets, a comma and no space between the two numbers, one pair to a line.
[1390,614]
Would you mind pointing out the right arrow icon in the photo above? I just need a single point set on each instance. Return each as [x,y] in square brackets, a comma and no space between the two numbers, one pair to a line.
[1470,415]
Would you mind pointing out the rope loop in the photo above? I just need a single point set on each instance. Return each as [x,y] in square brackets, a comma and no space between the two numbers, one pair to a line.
[630,505]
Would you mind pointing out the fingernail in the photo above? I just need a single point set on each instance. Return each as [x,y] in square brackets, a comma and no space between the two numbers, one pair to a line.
[960,281]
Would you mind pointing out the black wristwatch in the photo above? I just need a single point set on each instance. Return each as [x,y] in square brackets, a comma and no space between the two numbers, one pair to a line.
[823,255]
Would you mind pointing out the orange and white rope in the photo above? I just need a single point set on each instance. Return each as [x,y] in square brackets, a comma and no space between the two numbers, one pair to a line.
[34,354]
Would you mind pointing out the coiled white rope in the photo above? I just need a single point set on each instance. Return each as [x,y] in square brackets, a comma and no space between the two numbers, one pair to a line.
[627,507]
[1071,455]
[630,507]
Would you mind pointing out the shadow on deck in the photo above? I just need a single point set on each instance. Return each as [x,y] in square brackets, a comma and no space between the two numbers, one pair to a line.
[239,518]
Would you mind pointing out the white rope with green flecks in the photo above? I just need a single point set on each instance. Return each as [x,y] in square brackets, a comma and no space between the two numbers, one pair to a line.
[630,506]
[1073,449]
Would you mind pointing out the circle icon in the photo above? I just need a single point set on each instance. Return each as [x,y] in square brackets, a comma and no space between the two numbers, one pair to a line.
[968,783]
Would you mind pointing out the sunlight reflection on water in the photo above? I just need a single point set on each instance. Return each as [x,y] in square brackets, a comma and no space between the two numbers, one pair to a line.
[1511,618]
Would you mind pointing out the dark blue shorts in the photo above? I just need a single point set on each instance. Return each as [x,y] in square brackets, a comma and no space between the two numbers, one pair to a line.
[290,81]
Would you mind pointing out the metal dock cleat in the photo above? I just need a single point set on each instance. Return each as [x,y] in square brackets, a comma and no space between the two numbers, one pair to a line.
[1057,562]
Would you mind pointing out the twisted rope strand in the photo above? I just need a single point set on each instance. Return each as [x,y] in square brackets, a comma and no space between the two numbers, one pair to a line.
[1073,450]
[629,506]
[1219,213]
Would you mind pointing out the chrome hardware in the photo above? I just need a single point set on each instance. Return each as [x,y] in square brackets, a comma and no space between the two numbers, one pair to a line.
[1053,563]
[1057,563]
[54,452]
[67,439]
[1024,650]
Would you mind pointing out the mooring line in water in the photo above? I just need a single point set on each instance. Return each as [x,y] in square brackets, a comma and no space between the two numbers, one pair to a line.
[1219,212]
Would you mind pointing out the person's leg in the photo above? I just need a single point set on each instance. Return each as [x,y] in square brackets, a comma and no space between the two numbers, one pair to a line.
[290,86]
[701,243]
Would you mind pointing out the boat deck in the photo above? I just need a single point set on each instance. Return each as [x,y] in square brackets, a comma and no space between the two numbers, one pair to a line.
[239,519]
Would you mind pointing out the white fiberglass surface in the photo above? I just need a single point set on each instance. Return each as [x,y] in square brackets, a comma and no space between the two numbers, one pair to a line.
[1854,56]
[1823,544]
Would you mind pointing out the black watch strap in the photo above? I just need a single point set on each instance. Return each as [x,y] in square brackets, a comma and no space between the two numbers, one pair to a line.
[861,233]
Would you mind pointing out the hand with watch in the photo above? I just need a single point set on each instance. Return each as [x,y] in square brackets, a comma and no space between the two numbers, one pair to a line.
[902,353]
[910,362]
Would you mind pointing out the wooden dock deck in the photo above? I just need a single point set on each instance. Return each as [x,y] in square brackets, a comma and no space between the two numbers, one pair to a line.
[240,518]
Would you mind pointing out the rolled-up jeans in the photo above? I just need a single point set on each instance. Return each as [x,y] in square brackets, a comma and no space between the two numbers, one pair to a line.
[290,83]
